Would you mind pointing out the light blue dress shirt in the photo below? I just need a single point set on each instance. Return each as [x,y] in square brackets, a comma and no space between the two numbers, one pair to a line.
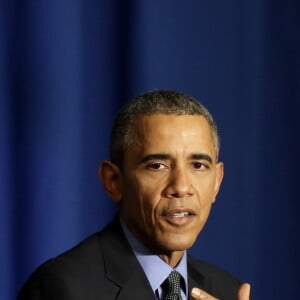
[154,267]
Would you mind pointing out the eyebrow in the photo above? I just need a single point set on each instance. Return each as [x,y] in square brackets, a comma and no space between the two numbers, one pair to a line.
[202,156]
[164,156]
[158,156]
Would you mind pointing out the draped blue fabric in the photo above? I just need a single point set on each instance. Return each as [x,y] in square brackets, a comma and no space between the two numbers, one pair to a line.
[67,66]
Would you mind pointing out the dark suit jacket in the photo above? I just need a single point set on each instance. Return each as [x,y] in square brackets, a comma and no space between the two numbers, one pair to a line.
[104,267]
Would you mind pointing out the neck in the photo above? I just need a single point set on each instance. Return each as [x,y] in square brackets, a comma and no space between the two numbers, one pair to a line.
[172,258]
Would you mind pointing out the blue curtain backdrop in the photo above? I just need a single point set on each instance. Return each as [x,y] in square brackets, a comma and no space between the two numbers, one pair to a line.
[66,66]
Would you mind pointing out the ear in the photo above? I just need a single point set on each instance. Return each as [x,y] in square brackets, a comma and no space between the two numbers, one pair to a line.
[219,178]
[109,175]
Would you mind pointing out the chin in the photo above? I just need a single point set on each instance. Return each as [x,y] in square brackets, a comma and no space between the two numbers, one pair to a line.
[178,244]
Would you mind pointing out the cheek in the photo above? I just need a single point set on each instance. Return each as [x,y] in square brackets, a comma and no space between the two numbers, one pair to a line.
[207,190]
[139,197]
[206,197]
[149,199]
[205,212]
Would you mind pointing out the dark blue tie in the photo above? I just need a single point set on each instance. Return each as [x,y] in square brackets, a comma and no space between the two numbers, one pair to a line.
[171,286]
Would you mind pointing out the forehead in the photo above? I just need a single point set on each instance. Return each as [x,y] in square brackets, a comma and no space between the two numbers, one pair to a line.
[160,131]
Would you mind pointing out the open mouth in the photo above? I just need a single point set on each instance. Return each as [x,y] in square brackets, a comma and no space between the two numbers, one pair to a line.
[179,214]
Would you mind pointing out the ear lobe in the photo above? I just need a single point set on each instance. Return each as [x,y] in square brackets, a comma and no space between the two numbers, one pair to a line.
[219,178]
[109,175]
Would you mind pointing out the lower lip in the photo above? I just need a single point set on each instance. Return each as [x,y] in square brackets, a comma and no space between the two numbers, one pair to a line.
[179,221]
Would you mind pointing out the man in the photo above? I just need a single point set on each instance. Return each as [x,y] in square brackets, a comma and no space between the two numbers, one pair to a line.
[164,173]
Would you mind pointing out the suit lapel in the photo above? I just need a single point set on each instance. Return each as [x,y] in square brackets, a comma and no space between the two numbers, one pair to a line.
[136,287]
[195,279]
[122,267]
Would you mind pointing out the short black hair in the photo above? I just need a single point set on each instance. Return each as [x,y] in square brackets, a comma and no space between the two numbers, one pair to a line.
[155,102]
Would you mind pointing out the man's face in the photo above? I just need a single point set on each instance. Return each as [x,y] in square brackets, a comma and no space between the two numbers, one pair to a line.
[169,180]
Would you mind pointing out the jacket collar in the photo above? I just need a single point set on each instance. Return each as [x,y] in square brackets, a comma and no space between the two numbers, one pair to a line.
[125,272]
[122,267]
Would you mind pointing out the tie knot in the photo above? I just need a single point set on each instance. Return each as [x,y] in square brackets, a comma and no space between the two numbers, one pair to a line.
[172,286]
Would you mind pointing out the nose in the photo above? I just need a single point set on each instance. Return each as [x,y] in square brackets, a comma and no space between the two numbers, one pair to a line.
[179,184]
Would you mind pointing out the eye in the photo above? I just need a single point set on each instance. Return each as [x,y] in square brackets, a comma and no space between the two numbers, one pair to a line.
[198,165]
[156,166]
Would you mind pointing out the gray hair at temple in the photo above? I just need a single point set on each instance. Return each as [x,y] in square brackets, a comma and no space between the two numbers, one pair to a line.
[155,102]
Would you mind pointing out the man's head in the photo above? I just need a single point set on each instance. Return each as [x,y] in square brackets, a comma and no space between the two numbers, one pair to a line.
[164,171]
[157,102]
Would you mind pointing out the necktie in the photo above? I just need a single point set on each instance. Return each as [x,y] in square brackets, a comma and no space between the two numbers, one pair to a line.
[171,286]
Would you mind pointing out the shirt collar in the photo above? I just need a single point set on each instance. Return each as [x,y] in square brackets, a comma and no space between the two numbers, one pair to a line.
[154,267]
